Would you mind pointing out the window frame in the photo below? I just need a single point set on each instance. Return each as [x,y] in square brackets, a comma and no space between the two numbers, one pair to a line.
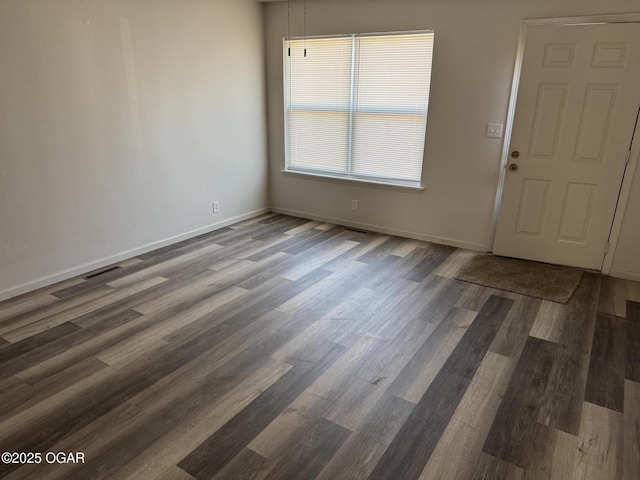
[329,175]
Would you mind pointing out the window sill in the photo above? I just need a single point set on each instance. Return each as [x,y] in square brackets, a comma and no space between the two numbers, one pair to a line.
[353,181]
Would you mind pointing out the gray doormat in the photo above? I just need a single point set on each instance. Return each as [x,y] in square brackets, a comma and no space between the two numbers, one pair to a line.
[540,280]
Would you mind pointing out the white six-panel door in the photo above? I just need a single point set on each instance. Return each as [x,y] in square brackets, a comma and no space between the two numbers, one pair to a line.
[576,110]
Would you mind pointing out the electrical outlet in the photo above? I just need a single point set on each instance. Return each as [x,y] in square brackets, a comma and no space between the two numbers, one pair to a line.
[354,205]
[494,130]
[216,207]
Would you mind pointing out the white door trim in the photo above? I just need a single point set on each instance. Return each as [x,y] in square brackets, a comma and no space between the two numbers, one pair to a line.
[513,97]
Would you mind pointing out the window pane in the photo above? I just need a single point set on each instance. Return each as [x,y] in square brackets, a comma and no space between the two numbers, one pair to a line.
[390,113]
[398,155]
[394,73]
[318,95]
[318,140]
[322,79]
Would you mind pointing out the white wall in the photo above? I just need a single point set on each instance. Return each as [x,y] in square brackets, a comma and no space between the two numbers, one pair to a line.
[120,122]
[475,48]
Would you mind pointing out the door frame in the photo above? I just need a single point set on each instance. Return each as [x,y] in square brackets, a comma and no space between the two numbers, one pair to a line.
[513,97]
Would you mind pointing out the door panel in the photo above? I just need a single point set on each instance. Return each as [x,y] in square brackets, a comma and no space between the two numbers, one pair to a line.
[577,212]
[533,205]
[548,120]
[576,109]
[595,128]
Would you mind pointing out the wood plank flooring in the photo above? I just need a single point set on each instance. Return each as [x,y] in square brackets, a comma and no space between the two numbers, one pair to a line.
[281,348]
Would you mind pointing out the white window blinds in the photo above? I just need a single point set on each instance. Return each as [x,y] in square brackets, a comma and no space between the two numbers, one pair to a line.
[356,106]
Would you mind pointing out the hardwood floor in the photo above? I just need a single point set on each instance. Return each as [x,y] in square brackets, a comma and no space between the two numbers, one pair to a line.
[281,348]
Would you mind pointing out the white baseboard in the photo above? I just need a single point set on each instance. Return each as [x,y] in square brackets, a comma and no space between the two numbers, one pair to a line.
[87,267]
[625,275]
[387,231]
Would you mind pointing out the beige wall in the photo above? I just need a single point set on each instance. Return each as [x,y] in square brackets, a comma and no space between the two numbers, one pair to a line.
[475,48]
[120,122]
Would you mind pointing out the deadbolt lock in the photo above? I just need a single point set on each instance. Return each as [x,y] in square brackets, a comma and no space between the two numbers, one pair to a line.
[513,167]
[515,154]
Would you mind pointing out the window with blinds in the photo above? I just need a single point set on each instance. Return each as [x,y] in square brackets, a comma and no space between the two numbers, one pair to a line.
[356,106]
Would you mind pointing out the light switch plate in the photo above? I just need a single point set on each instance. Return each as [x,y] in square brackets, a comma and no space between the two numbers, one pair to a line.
[494,130]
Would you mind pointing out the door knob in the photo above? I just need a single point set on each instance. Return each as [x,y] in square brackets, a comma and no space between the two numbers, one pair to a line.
[513,167]
[515,154]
